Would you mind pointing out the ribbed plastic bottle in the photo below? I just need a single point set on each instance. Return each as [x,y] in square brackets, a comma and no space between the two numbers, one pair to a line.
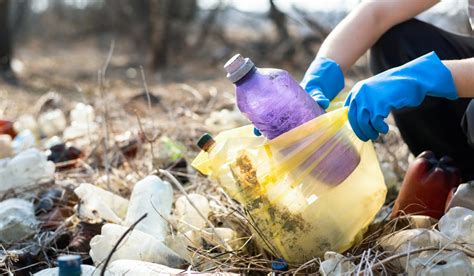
[270,98]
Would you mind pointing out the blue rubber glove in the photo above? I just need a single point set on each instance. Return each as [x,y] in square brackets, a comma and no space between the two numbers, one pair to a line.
[371,100]
[323,80]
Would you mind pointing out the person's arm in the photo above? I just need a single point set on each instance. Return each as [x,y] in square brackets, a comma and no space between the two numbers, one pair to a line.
[463,75]
[359,31]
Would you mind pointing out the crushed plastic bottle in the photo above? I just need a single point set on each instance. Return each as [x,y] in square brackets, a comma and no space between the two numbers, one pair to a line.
[335,264]
[416,261]
[153,196]
[188,217]
[461,196]
[97,203]
[181,242]
[27,122]
[83,123]
[133,267]
[137,246]
[52,122]
[17,220]
[440,264]
[5,146]
[25,170]
[458,225]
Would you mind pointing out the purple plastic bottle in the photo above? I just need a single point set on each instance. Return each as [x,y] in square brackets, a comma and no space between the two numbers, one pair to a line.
[275,103]
[270,98]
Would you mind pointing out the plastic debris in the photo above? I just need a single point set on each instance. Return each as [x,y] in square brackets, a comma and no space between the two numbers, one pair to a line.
[97,203]
[6,127]
[188,217]
[441,264]
[410,240]
[137,246]
[153,196]
[52,122]
[133,267]
[26,170]
[17,220]
[23,141]
[27,122]
[62,153]
[52,141]
[82,119]
[84,270]
[218,237]
[463,196]
[426,186]
[335,264]
[458,225]
[280,265]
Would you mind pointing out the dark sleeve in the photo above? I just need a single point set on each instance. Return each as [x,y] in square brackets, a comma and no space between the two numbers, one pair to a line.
[467,123]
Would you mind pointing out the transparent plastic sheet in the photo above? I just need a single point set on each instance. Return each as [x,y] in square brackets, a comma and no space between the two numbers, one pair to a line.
[313,189]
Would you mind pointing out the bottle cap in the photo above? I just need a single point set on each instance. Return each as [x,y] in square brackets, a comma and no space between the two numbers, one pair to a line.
[237,67]
[69,265]
[280,265]
[205,142]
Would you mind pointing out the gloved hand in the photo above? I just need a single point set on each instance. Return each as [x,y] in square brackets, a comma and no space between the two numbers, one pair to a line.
[323,80]
[371,100]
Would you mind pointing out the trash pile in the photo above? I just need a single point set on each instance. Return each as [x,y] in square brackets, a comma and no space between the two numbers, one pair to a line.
[78,197]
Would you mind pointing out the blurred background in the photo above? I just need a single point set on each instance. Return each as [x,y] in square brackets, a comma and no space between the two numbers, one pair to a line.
[174,40]
[49,43]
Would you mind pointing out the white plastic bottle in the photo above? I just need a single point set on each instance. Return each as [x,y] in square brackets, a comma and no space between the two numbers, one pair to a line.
[52,122]
[82,122]
[136,246]
[99,203]
[17,220]
[132,267]
[27,122]
[188,217]
[153,196]
[25,170]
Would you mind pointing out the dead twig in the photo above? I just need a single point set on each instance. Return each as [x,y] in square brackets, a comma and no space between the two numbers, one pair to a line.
[102,272]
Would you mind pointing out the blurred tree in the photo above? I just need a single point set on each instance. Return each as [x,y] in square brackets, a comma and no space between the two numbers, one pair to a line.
[5,38]
[284,49]
[279,19]
[169,21]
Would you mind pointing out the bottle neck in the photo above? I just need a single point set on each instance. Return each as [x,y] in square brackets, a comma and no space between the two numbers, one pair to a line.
[209,146]
[246,76]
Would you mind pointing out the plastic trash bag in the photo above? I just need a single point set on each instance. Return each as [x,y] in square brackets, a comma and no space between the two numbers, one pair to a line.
[297,208]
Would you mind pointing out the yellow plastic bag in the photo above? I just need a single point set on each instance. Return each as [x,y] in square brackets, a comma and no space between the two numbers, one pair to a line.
[297,206]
